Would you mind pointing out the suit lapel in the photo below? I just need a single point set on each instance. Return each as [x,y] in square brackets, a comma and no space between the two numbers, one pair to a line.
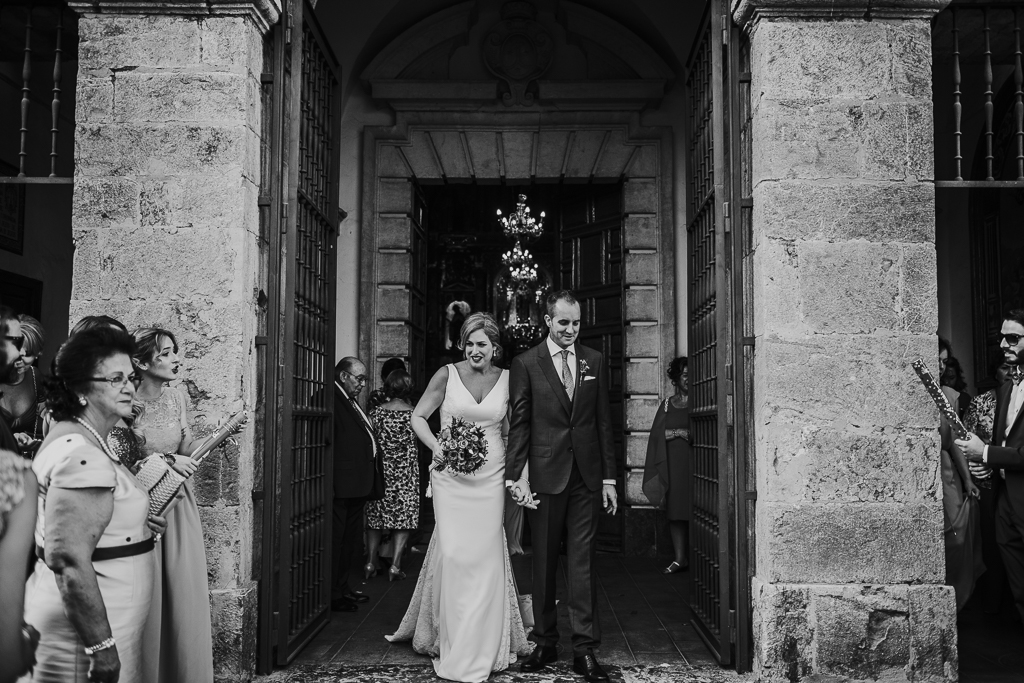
[554,380]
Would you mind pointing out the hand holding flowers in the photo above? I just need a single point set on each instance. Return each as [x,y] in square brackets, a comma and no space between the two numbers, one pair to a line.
[461,448]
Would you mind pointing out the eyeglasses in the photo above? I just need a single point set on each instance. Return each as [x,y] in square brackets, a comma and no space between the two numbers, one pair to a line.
[118,381]
[1011,339]
[359,378]
[17,341]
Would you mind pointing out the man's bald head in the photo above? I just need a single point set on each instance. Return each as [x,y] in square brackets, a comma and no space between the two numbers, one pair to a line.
[351,373]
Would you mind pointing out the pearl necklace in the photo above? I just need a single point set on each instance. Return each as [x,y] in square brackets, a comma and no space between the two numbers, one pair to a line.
[103,442]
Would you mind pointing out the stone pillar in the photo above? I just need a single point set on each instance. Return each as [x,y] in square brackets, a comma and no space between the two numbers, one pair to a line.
[850,557]
[166,225]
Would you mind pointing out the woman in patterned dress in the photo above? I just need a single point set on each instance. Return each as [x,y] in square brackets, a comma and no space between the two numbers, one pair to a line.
[399,509]
[178,638]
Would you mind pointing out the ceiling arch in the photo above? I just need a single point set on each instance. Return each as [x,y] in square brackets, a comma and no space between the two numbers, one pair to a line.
[467,57]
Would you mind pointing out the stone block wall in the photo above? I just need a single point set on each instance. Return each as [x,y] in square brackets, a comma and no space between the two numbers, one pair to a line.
[850,556]
[165,227]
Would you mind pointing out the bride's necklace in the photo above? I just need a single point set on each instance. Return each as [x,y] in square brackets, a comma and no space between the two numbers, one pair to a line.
[103,442]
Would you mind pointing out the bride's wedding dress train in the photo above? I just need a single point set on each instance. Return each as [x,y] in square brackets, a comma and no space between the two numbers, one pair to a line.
[465,612]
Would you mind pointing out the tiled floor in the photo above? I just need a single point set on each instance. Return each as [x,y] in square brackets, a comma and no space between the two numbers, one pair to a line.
[643,615]
[646,633]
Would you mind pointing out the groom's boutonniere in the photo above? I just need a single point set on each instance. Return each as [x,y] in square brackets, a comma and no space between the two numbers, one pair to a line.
[584,368]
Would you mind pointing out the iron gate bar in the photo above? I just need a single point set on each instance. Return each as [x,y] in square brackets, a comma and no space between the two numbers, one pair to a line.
[271,200]
[742,340]
[707,599]
[312,121]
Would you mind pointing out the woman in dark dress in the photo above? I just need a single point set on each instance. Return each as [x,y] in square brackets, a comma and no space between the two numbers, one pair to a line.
[669,469]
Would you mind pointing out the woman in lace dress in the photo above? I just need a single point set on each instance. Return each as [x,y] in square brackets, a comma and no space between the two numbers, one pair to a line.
[399,509]
[464,612]
[179,645]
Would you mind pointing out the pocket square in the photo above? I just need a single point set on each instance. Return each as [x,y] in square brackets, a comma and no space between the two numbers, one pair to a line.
[586,379]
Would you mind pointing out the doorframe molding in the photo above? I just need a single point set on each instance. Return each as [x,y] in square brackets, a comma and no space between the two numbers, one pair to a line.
[424,147]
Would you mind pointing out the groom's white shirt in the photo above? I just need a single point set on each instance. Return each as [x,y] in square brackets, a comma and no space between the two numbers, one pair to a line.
[556,358]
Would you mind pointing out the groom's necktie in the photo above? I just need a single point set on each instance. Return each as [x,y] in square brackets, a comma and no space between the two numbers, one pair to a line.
[567,374]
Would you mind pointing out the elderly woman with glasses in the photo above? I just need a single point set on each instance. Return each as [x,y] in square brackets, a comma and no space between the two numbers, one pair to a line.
[91,590]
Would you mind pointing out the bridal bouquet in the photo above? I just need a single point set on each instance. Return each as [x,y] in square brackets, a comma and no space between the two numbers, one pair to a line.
[464,447]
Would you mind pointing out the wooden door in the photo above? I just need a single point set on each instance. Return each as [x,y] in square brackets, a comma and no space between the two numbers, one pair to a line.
[590,255]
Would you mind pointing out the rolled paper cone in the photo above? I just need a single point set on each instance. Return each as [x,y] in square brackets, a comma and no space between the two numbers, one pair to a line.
[220,436]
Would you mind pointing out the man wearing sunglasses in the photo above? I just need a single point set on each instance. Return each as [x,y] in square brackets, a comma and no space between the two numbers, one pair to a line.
[355,457]
[1006,454]
[11,343]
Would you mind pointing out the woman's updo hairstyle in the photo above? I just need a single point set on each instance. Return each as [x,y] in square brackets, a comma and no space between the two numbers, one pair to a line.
[147,344]
[76,362]
[398,385]
[675,368]
[91,322]
[485,322]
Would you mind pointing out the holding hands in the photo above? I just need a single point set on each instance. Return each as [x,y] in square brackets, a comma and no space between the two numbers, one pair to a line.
[523,496]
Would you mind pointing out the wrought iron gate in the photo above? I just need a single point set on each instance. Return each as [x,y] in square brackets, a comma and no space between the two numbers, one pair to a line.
[300,208]
[720,335]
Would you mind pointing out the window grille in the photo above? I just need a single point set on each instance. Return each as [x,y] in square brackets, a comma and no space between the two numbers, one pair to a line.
[38,51]
[979,94]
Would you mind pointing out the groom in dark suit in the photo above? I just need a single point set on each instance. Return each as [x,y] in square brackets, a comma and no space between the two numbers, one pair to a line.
[560,421]
[1006,455]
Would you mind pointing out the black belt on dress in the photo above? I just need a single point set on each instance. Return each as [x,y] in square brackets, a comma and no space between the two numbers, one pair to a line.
[114,552]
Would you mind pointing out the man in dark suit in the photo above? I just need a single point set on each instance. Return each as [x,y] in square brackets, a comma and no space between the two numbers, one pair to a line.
[355,455]
[561,424]
[1006,455]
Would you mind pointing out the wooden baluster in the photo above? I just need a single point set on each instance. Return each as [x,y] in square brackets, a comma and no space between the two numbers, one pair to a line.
[957,106]
[26,72]
[55,105]
[989,106]
[1018,75]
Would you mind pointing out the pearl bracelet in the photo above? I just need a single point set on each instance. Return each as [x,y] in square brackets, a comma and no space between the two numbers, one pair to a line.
[102,645]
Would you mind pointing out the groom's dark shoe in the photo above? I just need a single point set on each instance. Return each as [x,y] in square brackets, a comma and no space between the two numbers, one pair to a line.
[541,656]
[587,666]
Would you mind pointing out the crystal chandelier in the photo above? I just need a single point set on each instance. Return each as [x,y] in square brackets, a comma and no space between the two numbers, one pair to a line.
[523,285]
[521,266]
[520,224]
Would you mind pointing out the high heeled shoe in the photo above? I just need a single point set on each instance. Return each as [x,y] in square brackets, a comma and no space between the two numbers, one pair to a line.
[369,570]
[395,574]
[675,568]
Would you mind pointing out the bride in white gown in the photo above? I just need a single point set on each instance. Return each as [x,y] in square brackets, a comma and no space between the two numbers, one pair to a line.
[464,612]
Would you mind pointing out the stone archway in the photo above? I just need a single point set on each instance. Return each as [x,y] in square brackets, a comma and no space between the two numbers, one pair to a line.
[574,131]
